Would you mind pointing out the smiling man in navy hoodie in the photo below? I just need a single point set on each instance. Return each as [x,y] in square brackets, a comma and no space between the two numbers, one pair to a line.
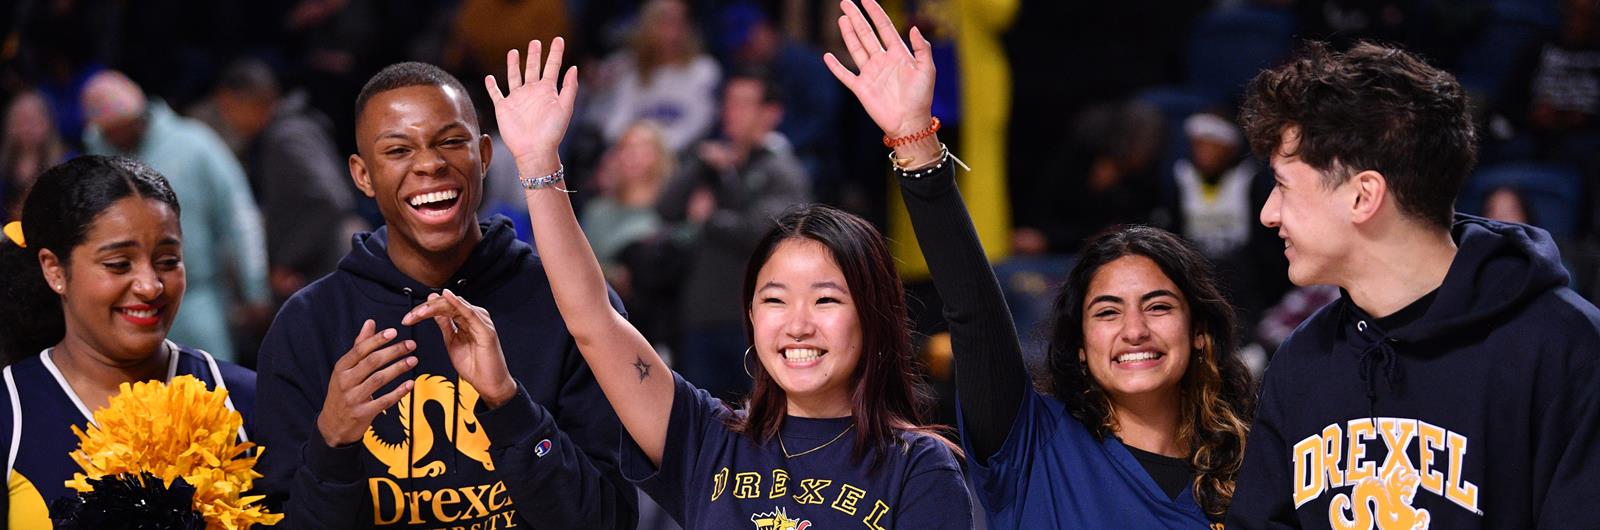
[371,424]
[1454,383]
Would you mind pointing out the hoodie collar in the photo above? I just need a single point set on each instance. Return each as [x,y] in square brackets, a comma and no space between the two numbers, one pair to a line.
[492,260]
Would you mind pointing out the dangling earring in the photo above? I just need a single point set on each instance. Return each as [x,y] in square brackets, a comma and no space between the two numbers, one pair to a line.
[744,362]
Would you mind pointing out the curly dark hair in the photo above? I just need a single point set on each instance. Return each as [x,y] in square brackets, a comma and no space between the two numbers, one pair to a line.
[1216,393]
[1372,107]
[57,215]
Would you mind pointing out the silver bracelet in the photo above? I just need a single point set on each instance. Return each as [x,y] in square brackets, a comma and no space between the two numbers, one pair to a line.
[533,183]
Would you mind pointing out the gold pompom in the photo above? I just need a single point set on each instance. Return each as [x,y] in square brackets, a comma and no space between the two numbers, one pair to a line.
[176,430]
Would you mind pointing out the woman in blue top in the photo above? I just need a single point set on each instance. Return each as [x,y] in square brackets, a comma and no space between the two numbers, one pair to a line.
[832,434]
[92,281]
[1145,411]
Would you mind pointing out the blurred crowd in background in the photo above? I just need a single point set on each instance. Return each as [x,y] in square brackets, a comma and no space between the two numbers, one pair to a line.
[700,120]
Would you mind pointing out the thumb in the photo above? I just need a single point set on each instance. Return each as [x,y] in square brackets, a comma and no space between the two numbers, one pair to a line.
[920,47]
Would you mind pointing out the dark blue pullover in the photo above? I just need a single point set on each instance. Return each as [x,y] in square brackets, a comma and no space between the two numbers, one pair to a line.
[1476,407]
[440,458]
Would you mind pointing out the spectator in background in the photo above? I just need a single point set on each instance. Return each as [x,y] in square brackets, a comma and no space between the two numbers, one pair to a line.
[295,174]
[1560,95]
[1214,207]
[750,40]
[1217,192]
[1507,204]
[1552,112]
[30,146]
[626,233]
[59,46]
[1557,100]
[630,178]
[222,228]
[727,194]
[663,77]
[1102,178]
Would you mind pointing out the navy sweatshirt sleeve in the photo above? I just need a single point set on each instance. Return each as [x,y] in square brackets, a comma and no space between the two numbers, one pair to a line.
[1567,467]
[991,378]
[315,486]
[561,461]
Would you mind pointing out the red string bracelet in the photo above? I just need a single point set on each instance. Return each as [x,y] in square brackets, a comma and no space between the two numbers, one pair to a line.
[897,142]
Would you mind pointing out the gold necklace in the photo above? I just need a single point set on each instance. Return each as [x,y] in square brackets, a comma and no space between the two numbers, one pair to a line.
[813,449]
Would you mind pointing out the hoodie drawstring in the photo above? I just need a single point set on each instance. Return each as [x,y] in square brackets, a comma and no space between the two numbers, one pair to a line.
[455,415]
[411,416]
[1380,355]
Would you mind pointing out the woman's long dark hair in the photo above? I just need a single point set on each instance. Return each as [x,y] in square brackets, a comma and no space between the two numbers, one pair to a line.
[57,214]
[887,391]
[1215,392]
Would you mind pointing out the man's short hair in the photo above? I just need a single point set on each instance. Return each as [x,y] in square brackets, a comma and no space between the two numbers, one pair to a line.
[771,91]
[251,76]
[409,74]
[1372,107]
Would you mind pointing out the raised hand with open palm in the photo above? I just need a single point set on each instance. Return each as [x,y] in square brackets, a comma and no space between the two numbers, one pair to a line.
[894,84]
[532,112]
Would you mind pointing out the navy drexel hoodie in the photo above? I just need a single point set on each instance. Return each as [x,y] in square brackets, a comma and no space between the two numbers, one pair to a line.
[440,458]
[1479,409]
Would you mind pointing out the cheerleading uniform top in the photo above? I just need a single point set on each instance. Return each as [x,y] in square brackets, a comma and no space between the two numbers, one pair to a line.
[37,448]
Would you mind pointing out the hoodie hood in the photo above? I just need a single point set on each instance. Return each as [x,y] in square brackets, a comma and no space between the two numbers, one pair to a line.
[1498,268]
[492,261]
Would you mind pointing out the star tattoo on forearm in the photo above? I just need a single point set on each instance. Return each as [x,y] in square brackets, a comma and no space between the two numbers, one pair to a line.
[643,367]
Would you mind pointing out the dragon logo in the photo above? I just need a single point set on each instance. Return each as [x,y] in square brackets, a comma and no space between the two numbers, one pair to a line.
[466,435]
[1383,503]
[778,520]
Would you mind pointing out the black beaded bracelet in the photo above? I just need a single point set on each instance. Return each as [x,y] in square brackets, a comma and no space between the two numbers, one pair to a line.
[944,158]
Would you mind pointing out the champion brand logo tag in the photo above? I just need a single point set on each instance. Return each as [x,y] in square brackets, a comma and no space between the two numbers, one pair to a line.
[542,448]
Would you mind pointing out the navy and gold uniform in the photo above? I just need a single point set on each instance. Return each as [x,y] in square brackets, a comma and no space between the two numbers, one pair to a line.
[1477,406]
[38,447]
[712,477]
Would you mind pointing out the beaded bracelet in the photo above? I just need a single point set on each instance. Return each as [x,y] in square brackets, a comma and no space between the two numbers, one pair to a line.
[533,183]
[944,158]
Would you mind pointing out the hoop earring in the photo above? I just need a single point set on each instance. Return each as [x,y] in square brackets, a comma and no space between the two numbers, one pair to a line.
[744,362]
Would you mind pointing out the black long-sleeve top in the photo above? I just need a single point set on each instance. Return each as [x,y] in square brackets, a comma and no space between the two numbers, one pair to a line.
[990,375]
